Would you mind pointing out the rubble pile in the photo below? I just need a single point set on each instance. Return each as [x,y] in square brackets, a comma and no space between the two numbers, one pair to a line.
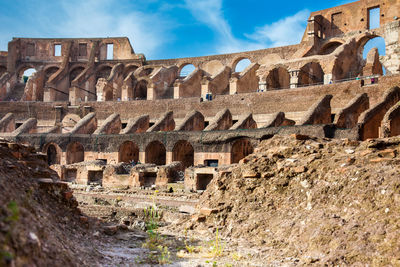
[40,224]
[310,200]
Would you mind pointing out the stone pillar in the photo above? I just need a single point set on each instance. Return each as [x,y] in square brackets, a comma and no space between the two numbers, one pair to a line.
[49,95]
[150,92]
[205,84]
[294,78]
[168,158]
[142,156]
[100,88]
[328,78]
[58,114]
[176,90]
[262,86]
[233,85]
[73,95]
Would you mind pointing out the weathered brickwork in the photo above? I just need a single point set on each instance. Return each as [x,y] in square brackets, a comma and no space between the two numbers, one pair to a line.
[83,105]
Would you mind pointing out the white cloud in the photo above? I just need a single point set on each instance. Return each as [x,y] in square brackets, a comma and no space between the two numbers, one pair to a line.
[101,18]
[147,31]
[286,31]
[283,32]
[209,12]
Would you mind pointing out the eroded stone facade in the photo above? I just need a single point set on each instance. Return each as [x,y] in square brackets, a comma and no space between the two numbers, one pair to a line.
[96,99]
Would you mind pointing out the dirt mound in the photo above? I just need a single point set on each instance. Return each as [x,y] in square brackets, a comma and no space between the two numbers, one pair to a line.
[312,201]
[40,224]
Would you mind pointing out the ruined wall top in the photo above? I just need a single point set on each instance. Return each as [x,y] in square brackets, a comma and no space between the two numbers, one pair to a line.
[54,49]
[351,17]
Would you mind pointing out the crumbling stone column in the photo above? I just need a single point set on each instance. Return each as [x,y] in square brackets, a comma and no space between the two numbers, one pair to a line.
[328,78]
[262,83]
[233,85]
[150,91]
[294,78]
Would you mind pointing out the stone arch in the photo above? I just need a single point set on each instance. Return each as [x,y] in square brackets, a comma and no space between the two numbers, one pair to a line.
[240,149]
[362,40]
[238,61]
[75,72]
[183,151]
[278,77]
[155,153]
[21,70]
[140,91]
[148,70]
[130,68]
[103,71]
[75,153]
[364,47]
[190,68]
[213,67]
[48,72]
[330,47]
[53,152]
[128,151]
[311,73]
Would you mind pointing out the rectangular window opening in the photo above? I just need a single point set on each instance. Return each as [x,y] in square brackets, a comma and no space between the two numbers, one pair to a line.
[110,51]
[203,180]
[82,50]
[57,50]
[374,18]
[211,162]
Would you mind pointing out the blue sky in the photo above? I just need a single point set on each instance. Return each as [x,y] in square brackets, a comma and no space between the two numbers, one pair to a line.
[164,29]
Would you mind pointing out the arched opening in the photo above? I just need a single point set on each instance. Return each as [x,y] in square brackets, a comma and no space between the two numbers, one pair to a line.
[75,73]
[155,153]
[53,153]
[329,48]
[75,153]
[240,149]
[278,78]
[25,73]
[241,64]
[310,74]
[371,50]
[129,69]
[140,92]
[186,70]
[50,71]
[148,71]
[183,151]
[128,151]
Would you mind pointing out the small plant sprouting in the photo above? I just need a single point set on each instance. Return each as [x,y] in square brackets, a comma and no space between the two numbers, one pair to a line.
[155,240]
[216,249]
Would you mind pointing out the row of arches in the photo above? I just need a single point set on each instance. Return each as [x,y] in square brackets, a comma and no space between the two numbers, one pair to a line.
[155,152]
[238,65]
[279,77]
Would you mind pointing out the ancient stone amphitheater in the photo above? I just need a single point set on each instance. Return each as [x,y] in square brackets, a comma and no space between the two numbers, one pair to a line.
[94,103]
